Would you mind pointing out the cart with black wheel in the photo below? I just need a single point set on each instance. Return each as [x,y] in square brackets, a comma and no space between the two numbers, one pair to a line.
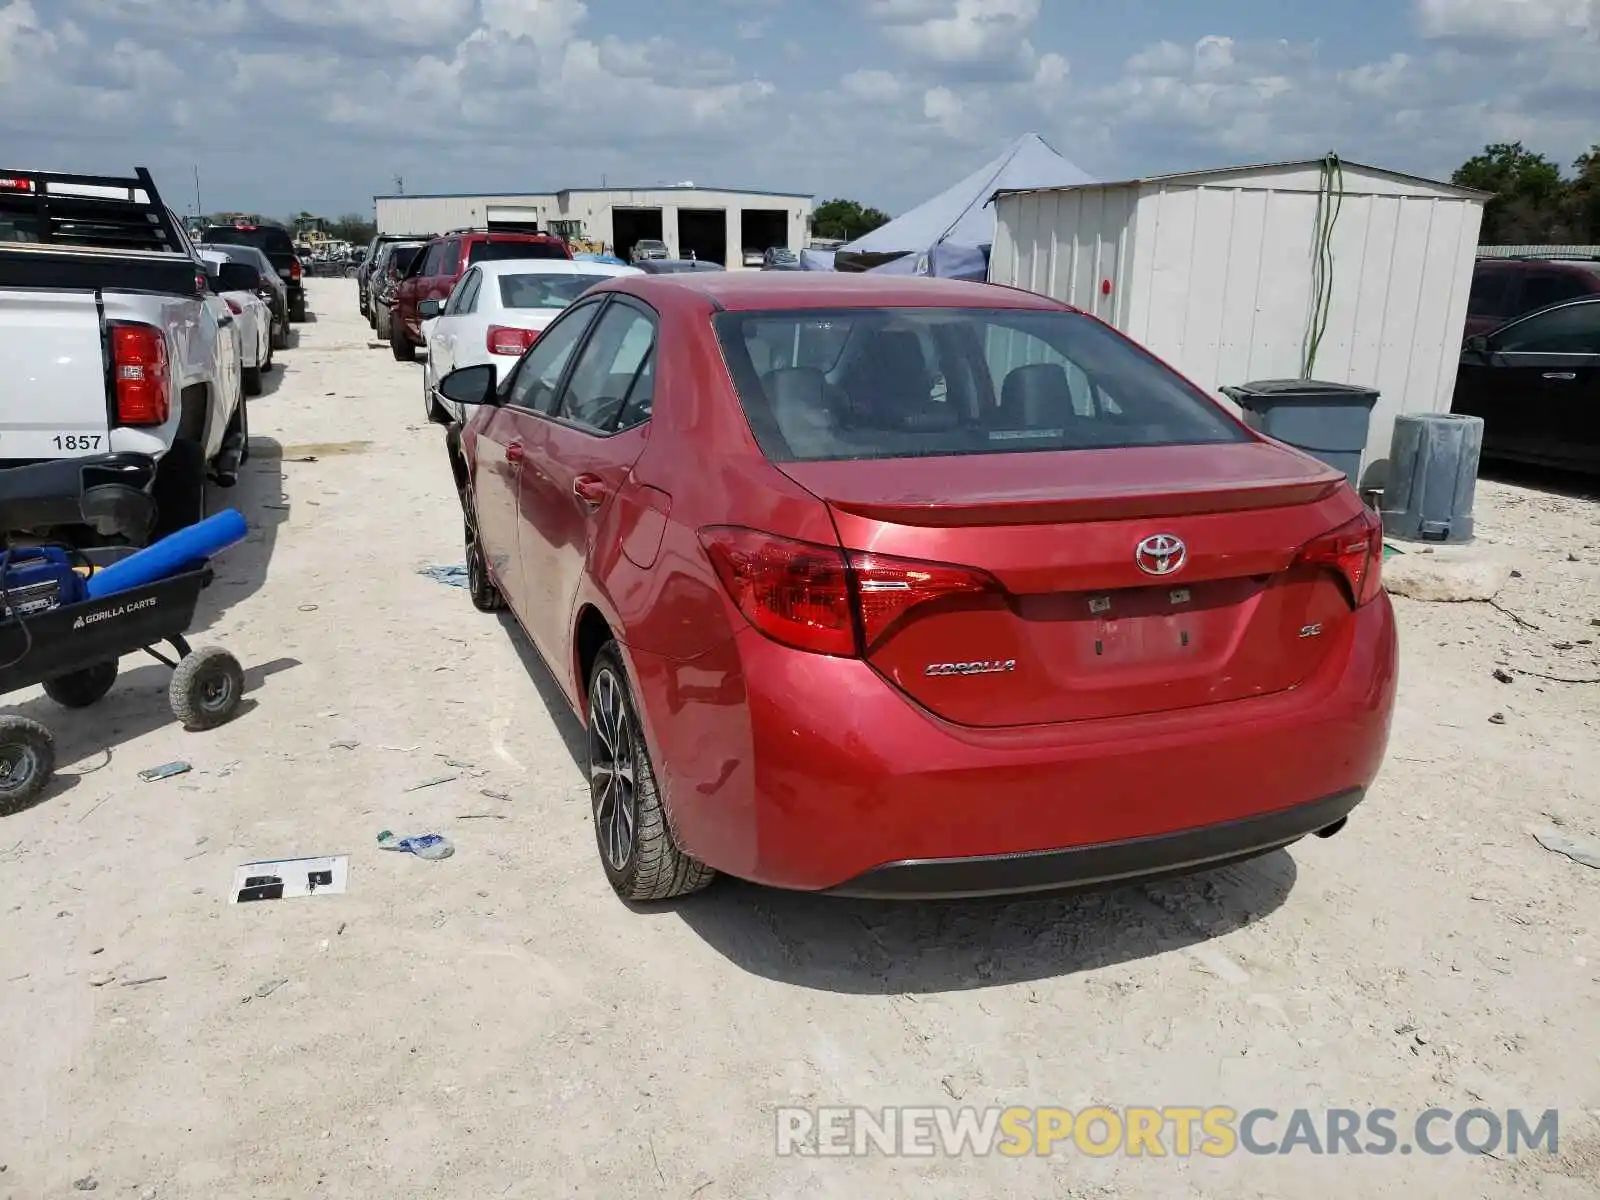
[74,649]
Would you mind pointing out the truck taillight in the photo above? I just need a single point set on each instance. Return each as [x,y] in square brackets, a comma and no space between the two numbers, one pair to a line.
[294,269]
[234,307]
[504,340]
[16,185]
[140,376]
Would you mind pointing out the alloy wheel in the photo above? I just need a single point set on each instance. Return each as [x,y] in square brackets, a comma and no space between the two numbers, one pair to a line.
[612,770]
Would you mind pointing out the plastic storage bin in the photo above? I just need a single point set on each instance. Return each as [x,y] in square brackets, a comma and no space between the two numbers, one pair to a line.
[1327,420]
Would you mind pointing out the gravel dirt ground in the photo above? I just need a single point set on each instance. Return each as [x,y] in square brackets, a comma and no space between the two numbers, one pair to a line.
[497,1024]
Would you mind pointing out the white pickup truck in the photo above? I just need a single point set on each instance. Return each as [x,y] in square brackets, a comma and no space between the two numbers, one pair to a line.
[111,337]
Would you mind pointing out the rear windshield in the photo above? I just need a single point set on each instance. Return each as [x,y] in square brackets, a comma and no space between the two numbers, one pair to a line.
[500,251]
[544,291]
[913,383]
[263,237]
[1490,295]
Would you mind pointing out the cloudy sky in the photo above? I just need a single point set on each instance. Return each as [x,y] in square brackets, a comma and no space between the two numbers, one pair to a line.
[319,104]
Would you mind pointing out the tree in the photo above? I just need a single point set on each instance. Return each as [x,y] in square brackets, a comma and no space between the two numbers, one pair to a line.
[845,219]
[352,228]
[1583,198]
[1529,205]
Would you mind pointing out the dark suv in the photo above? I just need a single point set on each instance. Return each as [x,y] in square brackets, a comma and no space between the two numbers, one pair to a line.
[1506,288]
[273,241]
[443,261]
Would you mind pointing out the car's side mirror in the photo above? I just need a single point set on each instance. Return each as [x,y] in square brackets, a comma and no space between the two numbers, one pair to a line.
[1478,343]
[470,385]
[428,310]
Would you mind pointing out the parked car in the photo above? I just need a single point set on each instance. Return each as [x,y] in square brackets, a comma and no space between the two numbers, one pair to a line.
[394,260]
[780,258]
[1505,288]
[369,260]
[913,587]
[442,263]
[273,241]
[270,287]
[1536,383]
[236,284]
[677,266]
[497,311]
[648,248]
[113,338]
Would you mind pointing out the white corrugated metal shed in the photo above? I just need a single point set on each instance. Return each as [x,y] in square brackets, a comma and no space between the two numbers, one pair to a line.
[1217,272]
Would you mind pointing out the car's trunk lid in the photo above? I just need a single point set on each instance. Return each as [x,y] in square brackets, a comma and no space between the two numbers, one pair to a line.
[1075,627]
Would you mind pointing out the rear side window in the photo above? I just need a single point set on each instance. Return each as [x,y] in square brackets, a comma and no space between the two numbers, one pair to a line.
[500,251]
[1551,287]
[1490,295]
[401,258]
[915,383]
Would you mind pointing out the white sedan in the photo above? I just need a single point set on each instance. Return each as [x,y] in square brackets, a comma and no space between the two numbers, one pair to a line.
[496,311]
[252,316]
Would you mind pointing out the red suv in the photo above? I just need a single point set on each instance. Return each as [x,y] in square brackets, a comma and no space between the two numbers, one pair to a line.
[1506,288]
[443,261]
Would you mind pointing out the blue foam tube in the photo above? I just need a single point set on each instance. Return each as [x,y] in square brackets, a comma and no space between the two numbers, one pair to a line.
[171,554]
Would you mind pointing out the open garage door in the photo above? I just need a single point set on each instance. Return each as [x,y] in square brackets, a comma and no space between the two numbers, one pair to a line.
[512,218]
[703,234]
[631,225]
[760,229]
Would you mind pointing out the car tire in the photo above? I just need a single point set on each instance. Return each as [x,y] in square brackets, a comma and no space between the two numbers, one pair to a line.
[642,859]
[179,489]
[280,336]
[486,598]
[252,381]
[399,343]
[297,311]
[381,324]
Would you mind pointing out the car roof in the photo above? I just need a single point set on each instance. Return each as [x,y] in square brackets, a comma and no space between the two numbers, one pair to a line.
[759,290]
[551,266]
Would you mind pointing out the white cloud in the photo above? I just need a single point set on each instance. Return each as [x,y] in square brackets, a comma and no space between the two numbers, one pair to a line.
[407,22]
[962,33]
[873,86]
[1508,20]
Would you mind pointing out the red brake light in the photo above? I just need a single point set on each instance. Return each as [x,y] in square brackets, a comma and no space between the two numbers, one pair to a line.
[504,340]
[233,307]
[139,373]
[244,228]
[16,185]
[1355,550]
[888,588]
[797,593]
[294,269]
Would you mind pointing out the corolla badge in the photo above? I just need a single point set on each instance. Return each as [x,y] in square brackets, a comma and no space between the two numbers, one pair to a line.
[1160,554]
[991,666]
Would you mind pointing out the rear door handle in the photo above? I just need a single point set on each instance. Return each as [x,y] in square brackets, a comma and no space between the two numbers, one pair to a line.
[591,489]
[1563,375]
[514,452]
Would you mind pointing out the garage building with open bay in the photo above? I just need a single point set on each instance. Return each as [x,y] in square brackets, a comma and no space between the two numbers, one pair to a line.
[712,224]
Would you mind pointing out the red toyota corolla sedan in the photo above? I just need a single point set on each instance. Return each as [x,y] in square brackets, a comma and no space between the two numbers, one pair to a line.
[909,587]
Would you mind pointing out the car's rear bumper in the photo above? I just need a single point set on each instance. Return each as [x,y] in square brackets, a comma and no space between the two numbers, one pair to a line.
[815,773]
[1105,862]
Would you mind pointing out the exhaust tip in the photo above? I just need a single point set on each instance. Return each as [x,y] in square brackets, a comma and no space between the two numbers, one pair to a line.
[1329,830]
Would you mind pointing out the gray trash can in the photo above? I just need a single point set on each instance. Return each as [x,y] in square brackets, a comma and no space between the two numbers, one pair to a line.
[1327,420]
[1433,477]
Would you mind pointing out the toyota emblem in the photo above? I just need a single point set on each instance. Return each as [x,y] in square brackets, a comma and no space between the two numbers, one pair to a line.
[1160,554]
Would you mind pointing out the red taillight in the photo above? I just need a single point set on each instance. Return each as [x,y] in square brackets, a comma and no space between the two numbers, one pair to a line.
[16,185]
[888,588]
[294,269]
[233,306]
[809,596]
[797,593]
[504,340]
[1355,550]
[139,371]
